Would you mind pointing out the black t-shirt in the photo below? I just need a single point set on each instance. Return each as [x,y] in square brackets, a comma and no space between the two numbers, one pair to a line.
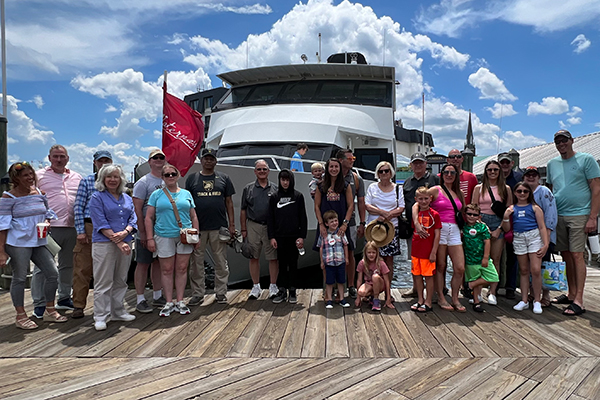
[209,193]
[410,187]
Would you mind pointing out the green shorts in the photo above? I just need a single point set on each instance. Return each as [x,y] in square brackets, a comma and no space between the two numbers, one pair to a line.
[474,272]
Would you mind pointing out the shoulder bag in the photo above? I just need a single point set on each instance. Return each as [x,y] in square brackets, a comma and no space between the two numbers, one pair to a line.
[405,230]
[186,235]
[460,220]
[498,207]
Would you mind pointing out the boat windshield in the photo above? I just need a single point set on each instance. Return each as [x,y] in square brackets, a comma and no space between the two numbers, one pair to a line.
[279,153]
[310,91]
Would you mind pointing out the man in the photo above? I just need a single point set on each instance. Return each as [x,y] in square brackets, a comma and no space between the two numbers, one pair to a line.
[142,190]
[575,181]
[468,180]
[420,177]
[511,176]
[296,164]
[82,253]
[357,184]
[253,220]
[212,193]
[60,186]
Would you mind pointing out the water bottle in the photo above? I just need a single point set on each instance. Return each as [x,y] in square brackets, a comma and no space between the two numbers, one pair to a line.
[301,250]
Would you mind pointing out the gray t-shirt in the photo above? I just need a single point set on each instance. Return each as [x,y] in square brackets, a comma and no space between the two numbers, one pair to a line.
[145,187]
[349,178]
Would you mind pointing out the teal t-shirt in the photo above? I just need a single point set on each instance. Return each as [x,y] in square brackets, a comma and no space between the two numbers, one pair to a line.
[165,224]
[569,180]
[473,237]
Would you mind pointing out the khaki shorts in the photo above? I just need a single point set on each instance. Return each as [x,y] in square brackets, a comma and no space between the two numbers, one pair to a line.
[258,238]
[570,233]
[168,247]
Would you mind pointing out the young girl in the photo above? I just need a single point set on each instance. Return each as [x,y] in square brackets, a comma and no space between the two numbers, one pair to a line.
[373,271]
[530,243]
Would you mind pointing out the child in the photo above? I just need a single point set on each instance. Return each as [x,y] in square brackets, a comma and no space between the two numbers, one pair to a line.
[286,229]
[479,268]
[375,274]
[424,250]
[317,172]
[333,250]
[530,243]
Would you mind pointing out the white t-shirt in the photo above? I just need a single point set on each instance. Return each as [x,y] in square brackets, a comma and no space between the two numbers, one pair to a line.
[383,200]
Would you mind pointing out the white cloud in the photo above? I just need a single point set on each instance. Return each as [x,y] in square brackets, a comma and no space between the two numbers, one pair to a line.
[549,105]
[581,43]
[139,99]
[81,156]
[449,18]
[574,120]
[575,111]
[597,124]
[23,129]
[501,110]
[562,125]
[252,9]
[490,86]
[110,108]
[11,140]
[38,101]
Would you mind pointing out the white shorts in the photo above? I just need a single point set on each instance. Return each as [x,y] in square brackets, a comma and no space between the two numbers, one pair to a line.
[168,247]
[450,235]
[527,242]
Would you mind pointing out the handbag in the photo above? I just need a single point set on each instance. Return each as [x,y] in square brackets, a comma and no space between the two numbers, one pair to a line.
[186,235]
[553,275]
[498,207]
[405,230]
[458,216]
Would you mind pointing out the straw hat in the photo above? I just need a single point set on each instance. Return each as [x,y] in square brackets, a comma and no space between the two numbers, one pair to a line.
[380,232]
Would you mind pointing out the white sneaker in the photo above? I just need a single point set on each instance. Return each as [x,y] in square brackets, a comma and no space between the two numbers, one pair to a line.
[255,292]
[537,307]
[492,301]
[521,306]
[167,310]
[273,290]
[100,325]
[182,308]
[124,317]
[472,301]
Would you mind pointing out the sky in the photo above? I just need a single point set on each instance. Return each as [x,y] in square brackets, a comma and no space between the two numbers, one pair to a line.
[87,74]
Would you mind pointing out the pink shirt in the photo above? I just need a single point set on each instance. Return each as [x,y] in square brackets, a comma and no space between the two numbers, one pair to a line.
[485,202]
[60,190]
[444,207]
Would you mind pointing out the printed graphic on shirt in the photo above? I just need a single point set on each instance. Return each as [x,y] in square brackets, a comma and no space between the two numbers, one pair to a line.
[332,196]
[284,201]
[209,189]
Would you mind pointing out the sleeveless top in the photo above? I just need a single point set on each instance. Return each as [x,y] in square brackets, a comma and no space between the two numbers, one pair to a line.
[524,219]
[485,201]
[331,200]
[444,207]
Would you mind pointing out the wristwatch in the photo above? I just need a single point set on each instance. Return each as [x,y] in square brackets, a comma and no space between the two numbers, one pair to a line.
[363,223]
[345,222]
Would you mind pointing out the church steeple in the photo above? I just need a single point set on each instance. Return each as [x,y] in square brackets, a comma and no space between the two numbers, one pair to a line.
[470,143]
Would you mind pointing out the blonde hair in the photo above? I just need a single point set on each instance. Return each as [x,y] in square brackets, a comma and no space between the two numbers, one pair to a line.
[422,190]
[317,165]
[392,170]
[371,245]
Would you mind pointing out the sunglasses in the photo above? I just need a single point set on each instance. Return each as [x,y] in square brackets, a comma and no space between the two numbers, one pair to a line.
[521,191]
[504,162]
[532,175]
[447,172]
[158,157]
[352,158]
[261,169]
[170,175]
[472,215]
[493,169]
[384,171]
[20,165]
[456,156]
[560,141]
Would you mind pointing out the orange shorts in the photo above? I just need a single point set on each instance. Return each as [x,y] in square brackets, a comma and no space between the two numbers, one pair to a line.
[422,267]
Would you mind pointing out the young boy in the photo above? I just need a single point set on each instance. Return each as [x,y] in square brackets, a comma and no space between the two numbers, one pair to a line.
[424,251]
[317,172]
[479,269]
[333,250]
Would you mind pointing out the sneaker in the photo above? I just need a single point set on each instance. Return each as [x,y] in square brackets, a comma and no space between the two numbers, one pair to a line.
[281,296]
[501,291]
[293,299]
[64,304]
[221,299]
[38,312]
[492,301]
[344,303]
[143,307]
[160,302]
[167,310]
[352,292]
[273,291]
[329,304]
[195,301]
[510,294]
[100,325]
[537,307]
[471,301]
[255,292]
[77,313]
[376,305]
[521,306]
[125,317]
[182,308]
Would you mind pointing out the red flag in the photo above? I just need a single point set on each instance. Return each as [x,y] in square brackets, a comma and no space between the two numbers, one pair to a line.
[183,132]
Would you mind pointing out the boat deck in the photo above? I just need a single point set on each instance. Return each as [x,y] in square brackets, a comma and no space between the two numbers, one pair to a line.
[256,349]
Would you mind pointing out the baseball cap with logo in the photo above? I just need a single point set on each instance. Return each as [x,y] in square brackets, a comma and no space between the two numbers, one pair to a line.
[563,132]
[531,170]
[504,156]
[418,156]
[209,152]
[156,152]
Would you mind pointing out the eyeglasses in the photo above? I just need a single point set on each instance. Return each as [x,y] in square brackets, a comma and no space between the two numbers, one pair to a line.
[20,165]
[560,141]
[493,169]
[448,172]
[170,175]
[456,156]
[158,157]
[384,171]
[521,191]
[261,169]
[472,215]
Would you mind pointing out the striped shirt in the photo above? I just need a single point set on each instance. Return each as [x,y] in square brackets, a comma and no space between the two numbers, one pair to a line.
[20,215]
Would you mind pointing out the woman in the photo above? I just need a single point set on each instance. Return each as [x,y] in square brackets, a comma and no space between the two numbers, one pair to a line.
[114,222]
[21,209]
[163,237]
[450,240]
[385,202]
[493,180]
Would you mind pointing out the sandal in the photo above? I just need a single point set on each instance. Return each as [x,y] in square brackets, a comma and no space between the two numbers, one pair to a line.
[415,307]
[575,309]
[546,303]
[562,299]
[459,307]
[477,307]
[447,307]
[53,316]
[24,322]
[424,308]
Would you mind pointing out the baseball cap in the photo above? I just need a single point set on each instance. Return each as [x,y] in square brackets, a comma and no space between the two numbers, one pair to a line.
[209,152]
[531,169]
[563,132]
[418,156]
[504,156]
[155,152]
[101,154]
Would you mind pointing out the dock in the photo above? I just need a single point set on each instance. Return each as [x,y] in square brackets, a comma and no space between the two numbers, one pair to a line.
[254,349]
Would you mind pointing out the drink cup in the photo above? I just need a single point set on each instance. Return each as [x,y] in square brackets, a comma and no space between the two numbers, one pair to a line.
[42,230]
[301,251]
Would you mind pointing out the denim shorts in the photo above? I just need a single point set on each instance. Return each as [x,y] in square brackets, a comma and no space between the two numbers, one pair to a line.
[493,222]
[335,274]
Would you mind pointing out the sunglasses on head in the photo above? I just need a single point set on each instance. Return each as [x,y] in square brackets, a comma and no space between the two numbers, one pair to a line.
[384,171]
[493,169]
[170,175]
[521,191]
[561,140]
[20,165]
[456,156]
[158,157]
[472,215]
[448,172]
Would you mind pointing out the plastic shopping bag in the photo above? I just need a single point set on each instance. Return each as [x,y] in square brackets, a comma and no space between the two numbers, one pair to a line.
[553,276]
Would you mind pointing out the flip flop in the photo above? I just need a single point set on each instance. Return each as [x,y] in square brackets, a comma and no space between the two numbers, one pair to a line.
[415,307]
[477,307]
[447,307]
[459,307]
[562,299]
[575,310]
[410,293]
[424,308]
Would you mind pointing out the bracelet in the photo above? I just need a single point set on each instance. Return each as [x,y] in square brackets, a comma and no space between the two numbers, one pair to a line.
[506,220]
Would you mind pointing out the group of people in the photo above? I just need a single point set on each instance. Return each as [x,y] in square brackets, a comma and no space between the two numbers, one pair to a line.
[508,219]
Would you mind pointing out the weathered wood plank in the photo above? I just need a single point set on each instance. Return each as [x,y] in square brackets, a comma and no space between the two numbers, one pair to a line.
[293,337]
[336,341]
[564,380]
[269,343]
[590,387]
[359,340]
[314,337]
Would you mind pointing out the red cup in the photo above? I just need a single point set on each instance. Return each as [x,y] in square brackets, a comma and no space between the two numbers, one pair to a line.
[42,230]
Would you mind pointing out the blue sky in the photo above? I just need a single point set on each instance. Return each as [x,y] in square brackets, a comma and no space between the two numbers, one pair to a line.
[87,74]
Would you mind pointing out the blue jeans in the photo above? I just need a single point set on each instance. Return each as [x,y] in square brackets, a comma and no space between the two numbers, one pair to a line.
[20,260]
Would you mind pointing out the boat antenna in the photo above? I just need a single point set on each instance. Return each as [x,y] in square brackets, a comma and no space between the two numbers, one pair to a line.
[423,118]
[319,52]
[498,144]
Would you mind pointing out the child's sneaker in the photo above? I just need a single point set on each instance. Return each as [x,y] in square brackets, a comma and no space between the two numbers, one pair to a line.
[329,304]
[293,299]
[344,303]
[521,306]
[281,296]
[182,308]
[376,305]
[167,310]
[537,307]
